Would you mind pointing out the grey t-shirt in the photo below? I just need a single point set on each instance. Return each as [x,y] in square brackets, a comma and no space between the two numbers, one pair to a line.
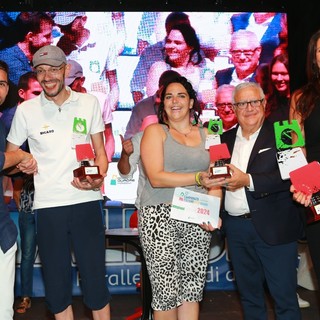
[177,158]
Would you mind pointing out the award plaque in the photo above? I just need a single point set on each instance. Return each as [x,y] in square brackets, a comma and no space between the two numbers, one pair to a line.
[218,155]
[218,169]
[84,155]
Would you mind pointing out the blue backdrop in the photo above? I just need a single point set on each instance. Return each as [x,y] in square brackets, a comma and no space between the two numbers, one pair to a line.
[122,261]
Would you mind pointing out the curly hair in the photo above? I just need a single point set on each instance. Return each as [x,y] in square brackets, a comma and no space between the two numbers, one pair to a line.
[195,110]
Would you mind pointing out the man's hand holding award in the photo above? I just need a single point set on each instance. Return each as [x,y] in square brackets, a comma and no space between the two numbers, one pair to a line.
[218,155]
[84,156]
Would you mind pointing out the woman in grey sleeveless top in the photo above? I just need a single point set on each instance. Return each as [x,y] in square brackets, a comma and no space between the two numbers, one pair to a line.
[174,155]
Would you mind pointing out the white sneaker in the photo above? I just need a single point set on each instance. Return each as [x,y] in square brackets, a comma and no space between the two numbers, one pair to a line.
[303,303]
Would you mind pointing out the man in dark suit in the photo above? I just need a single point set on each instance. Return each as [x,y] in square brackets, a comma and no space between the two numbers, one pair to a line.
[261,222]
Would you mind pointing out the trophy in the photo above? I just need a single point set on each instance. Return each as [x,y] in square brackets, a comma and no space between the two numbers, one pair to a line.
[215,126]
[84,156]
[283,131]
[218,155]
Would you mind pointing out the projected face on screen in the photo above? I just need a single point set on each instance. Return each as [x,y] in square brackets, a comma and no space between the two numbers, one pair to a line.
[123,54]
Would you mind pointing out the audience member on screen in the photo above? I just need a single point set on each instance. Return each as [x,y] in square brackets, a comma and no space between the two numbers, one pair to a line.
[36,33]
[245,53]
[268,26]
[305,108]
[8,230]
[73,31]
[151,54]
[147,106]
[183,54]
[252,207]
[75,35]
[277,108]
[68,210]
[23,191]
[93,37]
[172,152]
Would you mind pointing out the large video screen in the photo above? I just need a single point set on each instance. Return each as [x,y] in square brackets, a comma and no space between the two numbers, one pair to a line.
[123,54]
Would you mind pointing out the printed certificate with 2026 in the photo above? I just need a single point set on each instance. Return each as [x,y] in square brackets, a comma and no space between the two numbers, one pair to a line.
[194,207]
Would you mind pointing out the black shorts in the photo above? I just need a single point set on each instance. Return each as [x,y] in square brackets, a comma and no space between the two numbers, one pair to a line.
[73,231]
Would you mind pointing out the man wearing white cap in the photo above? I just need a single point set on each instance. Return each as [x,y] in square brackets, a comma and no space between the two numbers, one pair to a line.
[68,211]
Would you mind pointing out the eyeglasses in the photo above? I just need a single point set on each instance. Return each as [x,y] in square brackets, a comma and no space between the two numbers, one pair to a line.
[248,53]
[53,71]
[3,84]
[253,103]
[223,105]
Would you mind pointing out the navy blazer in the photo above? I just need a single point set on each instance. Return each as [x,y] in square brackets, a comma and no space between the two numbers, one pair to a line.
[276,217]
[224,76]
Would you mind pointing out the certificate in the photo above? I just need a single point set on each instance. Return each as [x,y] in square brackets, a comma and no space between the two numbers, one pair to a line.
[195,207]
[289,160]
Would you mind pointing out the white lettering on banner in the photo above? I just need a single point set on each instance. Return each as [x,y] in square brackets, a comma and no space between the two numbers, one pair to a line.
[214,275]
[125,277]
[230,276]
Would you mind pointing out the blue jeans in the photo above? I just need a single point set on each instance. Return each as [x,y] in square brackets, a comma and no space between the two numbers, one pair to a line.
[28,250]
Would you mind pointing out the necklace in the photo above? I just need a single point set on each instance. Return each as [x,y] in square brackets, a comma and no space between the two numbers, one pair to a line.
[185,134]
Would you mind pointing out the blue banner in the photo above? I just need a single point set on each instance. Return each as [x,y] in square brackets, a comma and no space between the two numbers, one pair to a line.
[123,261]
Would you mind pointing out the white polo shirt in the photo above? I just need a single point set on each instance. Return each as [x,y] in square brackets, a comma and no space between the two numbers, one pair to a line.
[50,133]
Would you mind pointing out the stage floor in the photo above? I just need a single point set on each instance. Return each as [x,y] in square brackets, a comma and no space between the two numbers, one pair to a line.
[217,305]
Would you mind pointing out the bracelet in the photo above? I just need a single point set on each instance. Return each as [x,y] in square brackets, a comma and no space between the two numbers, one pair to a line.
[198,179]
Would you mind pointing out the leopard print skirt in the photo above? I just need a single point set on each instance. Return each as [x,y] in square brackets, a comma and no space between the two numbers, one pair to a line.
[176,254]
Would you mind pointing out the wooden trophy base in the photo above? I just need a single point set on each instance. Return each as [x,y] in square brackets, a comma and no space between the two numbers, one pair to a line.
[219,170]
[84,171]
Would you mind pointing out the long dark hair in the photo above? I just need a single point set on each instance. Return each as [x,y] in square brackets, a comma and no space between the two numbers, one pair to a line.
[310,93]
[191,39]
[274,95]
[195,111]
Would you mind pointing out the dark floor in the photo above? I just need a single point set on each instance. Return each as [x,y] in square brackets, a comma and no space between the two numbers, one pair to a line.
[217,305]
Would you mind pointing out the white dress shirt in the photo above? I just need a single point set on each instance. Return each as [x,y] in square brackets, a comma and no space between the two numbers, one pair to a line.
[236,201]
